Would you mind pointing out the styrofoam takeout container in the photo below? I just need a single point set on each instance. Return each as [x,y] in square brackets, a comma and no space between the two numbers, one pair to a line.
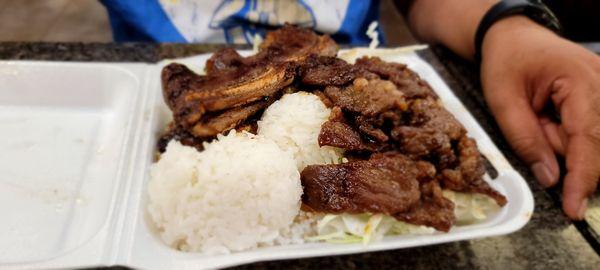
[76,144]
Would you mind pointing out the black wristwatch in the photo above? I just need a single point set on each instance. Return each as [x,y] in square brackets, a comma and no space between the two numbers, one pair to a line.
[534,10]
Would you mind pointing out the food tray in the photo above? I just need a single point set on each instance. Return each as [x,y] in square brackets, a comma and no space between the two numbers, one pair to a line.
[77,141]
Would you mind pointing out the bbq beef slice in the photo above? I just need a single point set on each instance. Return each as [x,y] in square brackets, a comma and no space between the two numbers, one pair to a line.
[419,142]
[405,79]
[384,184]
[388,183]
[429,113]
[367,98]
[342,135]
[429,132]
[326,71]
[363,109]
[337,132]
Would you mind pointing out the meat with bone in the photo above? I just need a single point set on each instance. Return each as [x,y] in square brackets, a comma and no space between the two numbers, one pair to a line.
[227,120]
[179,134]
[196,95]
[233,81]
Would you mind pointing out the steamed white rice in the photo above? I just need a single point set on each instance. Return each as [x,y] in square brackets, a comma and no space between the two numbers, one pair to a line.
[294,123]
[237,194]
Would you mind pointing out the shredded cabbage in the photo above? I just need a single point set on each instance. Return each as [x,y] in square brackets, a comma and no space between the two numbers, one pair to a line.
[367,228]
[362,228]
[471,208]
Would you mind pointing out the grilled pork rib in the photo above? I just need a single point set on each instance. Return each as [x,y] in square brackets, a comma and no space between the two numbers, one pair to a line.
[207,105]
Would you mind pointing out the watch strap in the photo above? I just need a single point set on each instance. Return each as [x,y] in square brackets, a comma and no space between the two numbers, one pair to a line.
[538,12]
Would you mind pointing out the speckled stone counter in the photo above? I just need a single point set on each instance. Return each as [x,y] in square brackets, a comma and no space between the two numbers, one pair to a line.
[548,241]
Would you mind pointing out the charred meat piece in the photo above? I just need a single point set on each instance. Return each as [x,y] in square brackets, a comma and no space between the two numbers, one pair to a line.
[290,43]
[176,79]
[181,135]
[240,118]
[428,113]
[420,142]
[368,98]
[226,60]
[430,132]
[210,125]
[337,132]
[190,96]
[467,177]
[326,70]
[433,209]
[342,135]
[385,184]
[239,88]
[405,79]
[388,183]
[371,127]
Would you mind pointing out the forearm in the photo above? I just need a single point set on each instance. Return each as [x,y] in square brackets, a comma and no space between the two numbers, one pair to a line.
[452,23]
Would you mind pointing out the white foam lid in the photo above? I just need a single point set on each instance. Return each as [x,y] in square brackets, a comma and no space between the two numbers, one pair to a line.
[76,143]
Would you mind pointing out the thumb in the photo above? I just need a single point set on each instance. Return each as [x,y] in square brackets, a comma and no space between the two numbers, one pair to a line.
[581,117]
[583,157]
[523,131]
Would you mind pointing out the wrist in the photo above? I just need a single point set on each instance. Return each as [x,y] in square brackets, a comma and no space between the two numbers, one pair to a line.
[452,23]
[506,33]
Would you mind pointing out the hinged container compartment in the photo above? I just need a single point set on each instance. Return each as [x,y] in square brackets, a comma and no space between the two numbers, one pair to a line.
[76,144]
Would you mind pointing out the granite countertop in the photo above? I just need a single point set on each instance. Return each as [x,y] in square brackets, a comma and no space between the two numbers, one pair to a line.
[548,241]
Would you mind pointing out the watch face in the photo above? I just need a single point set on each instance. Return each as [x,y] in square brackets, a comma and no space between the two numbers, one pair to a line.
[547,18]
[539,12]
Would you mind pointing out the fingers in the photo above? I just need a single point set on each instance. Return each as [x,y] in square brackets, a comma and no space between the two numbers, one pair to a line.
[581,119]
[555,135]
[583,159]
[523,131]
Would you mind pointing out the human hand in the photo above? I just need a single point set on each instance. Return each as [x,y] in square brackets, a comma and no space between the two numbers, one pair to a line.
[524,67]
